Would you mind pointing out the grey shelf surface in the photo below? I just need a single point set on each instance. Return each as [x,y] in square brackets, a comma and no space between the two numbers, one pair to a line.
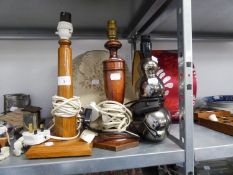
[146,154]
[209,144]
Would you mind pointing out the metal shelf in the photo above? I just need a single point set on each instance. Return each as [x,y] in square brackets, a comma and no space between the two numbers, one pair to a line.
[32,19]
[146,154]
[209,144]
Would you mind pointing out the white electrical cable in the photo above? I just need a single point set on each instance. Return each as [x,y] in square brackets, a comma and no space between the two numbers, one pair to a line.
[64,107]
[5,152]
[115,116]
[18,147]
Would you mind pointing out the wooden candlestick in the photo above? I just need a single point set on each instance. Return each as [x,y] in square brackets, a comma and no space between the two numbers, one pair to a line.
[65,127]
[114,67]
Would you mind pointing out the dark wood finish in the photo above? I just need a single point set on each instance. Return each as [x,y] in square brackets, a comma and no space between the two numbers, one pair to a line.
[224,125]
[115,142]
[114,89]
[69,148]
[136,71]
[65,127]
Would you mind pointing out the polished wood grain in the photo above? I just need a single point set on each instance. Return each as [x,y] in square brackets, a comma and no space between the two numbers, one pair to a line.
[116,145]
[115,142]
[114,89]
[69,148]
[65,127]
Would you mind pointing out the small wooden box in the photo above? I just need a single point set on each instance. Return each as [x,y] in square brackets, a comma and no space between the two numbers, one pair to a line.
[224,123]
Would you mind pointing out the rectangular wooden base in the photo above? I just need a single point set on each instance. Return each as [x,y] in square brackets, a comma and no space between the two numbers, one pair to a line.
[68,148]
[115,144]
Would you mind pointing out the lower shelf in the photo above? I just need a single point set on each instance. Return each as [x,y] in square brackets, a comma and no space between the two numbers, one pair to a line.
[146,154]
[210,144]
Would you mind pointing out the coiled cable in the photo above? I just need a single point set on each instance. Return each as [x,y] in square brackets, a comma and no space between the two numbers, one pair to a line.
[116,117]
[64,107]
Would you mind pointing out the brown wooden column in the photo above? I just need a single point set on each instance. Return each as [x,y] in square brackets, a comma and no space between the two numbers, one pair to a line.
[114,67]
[65,127]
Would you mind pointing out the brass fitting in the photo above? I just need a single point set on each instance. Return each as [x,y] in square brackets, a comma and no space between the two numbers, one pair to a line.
[112,29]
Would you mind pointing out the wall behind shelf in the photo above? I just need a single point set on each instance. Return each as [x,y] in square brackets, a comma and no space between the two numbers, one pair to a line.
[30,67]
[213,61]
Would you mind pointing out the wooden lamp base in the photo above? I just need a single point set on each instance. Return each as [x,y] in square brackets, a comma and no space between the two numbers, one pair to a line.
[114,142]
[70,148]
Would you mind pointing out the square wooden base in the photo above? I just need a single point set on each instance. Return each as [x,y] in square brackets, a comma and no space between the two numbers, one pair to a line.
[68,148]
[115,144]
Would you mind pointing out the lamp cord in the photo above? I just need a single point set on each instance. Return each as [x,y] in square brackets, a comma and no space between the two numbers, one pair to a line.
[116,117]
[64,107]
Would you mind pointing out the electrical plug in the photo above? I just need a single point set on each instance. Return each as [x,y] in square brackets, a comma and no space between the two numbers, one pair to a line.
[36,137]
[95,111]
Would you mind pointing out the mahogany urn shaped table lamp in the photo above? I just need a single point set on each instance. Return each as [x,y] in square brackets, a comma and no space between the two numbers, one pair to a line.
[114,67]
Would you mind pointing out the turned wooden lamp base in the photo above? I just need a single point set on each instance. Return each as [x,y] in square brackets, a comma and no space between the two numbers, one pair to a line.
[70,148]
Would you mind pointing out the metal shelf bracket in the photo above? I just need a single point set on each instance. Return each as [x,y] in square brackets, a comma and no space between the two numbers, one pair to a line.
[184,35]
